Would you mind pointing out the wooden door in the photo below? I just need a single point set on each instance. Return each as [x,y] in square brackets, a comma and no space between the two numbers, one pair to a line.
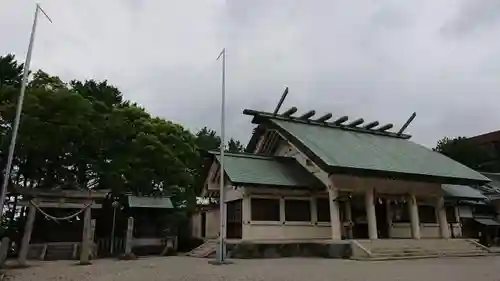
[234,222]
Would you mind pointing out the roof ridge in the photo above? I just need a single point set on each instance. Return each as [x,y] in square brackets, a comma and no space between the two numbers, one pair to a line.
[332,125]
[490,173]
[243,155]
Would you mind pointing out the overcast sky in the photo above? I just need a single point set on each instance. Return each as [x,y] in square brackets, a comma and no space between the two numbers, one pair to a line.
[380,60]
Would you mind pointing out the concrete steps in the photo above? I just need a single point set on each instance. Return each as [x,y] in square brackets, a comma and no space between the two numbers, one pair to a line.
[53,251]
[205,250]
[60,252]
[388,258]
[410,248]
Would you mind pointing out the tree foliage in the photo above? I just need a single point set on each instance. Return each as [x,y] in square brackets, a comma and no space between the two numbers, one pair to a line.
[206,140]
[11,72]
[83,135]
[235,146]
[463,151]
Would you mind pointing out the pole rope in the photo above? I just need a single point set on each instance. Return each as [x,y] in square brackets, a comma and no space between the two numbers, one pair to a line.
[61,218]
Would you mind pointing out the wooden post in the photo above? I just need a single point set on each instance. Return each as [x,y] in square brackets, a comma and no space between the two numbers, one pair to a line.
[74,254]
[130,238]
[25,244]
[4,250]
[334,212]
[44,252]
[414,218]
[443,222]
[348,217]
[370,213]
[92,234]
[85,248]
[388,213]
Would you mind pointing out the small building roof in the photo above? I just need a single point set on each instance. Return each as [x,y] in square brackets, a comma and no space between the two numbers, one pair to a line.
[491,189]
[256,170]
[149,202]
[371,152]
[487,221]
[462,192]
[486,137]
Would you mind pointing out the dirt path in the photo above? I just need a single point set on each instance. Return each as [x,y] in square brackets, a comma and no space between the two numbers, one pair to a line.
[187,269]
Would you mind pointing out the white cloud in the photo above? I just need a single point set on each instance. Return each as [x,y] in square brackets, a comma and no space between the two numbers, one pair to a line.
[373,59]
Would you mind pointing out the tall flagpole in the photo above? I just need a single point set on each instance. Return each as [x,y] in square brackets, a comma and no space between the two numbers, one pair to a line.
[19,108]
[221,249]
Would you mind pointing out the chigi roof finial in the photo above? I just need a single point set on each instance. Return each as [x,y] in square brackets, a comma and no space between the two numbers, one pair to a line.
[340,123]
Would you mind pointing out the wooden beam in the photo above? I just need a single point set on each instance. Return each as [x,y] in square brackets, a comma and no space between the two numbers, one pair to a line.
[61,205]
[93,194]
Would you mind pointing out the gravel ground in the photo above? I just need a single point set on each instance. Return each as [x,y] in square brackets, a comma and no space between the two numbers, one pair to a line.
[290,269]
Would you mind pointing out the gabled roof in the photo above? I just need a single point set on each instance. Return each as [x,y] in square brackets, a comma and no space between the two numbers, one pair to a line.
[359,151]
[255,170]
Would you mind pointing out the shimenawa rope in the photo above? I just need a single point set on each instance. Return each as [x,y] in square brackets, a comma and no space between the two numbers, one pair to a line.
[61,218]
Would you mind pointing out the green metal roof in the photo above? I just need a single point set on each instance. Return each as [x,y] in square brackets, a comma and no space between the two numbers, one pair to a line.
[487,221]
[150,202]
[472,202]
[462,192]
[248,169]
[492,189]
[348,151]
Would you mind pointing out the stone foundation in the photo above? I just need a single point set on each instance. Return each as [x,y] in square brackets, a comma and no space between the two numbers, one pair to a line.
[250,250]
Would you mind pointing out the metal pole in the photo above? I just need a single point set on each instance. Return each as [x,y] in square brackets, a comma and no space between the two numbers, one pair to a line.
[221,253]
[19,108]
[112,246]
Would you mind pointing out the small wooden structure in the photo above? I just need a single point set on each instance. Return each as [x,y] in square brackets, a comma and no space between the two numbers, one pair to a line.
[49,204]
[149,229]
[72,224]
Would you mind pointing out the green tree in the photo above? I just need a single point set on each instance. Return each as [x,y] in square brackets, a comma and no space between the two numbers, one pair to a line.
[10,79]
[463,151]
[11,72]
[207,139]
[235,146]
[83,135]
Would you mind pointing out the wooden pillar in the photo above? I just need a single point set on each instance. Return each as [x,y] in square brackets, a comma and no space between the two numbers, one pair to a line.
[414,218]
[457,221]
[314,209]
[44,252]
[334,212]
[348,217]
[129,238]
[92,235]
[25,244]
[246,215]
[4,250]
[282,210]
[247,209]
[388,213]
[443,222]
[370,213]
[74,254]
[85,248]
